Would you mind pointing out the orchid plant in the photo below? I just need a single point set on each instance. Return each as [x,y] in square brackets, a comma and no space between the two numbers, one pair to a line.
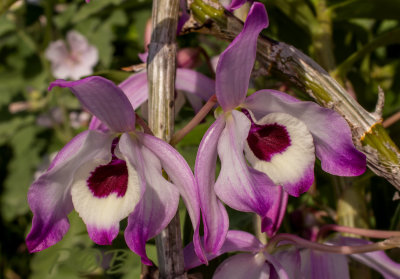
[259,152]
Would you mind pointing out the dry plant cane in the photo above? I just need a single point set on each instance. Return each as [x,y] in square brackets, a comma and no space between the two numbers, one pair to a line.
[161,70]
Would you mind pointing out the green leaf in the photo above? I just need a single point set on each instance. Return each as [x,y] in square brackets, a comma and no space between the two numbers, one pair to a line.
[377,9]
[26,149]
[6,25]
[86,10]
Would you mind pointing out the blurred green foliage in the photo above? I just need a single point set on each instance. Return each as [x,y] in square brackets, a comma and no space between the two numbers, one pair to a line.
[34,123]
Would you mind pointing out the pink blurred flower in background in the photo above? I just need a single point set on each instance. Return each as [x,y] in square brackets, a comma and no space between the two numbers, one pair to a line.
[73,58]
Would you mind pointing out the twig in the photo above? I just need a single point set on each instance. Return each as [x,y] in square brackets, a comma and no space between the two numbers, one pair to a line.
[344,250]
[195,121]
[391,120]
[363,232]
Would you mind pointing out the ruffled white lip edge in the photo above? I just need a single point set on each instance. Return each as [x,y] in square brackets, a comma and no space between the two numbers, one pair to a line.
[291,165]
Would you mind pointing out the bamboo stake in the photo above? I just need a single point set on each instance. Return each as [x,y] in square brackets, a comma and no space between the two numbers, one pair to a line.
[161,77]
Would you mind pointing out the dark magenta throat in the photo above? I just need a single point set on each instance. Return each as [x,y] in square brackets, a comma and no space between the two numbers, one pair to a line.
[267,140]
[109,178]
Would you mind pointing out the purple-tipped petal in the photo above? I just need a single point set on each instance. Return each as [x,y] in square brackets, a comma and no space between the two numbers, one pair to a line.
[49,196]
[104,100]
[377,260]
[157,206]
[215,217]
[136,89]
[237,61]
[182,177]
[238,185]
[281,146]
[236,241]
[331,133]
[104,193]
[273,220]
[316,265]
[243,266]
[194,83]
[236,4]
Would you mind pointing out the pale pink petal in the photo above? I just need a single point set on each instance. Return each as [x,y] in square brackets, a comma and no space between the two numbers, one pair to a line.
[243,266]
[238,185]
[182,177]
[157,206]
[215,217]
[235,241]
[317,265]
[194,83]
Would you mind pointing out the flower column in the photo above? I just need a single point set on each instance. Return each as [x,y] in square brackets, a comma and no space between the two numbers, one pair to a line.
[161,77]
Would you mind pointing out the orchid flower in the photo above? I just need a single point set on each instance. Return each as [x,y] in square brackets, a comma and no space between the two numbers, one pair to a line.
[255,263]
[109,175]
[279,135]
[288,262]
[74,59]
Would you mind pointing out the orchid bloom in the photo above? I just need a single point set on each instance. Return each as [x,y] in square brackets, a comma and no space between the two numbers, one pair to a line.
[107,175]
[256,263]
[279,135]
[287,262]
[74,59]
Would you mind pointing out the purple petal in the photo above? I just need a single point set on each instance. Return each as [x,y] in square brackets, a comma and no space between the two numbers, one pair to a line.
[236,241]
[96,124]
[289,259]
[238,185]
[136,89]
[278,270]
[194,83]
[377,260]
[331,133]
[235,4]
[104,100]
[316,265]
[157,206]
[182,177]
[194,101]
[243,266]
[143,56]
[215,217]
[237,61]
[273,220]
[49,196]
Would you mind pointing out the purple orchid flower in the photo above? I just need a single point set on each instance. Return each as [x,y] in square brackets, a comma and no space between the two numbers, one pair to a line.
[256,263]
[279,135]
[109,175]
[288,262]
[73,61]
